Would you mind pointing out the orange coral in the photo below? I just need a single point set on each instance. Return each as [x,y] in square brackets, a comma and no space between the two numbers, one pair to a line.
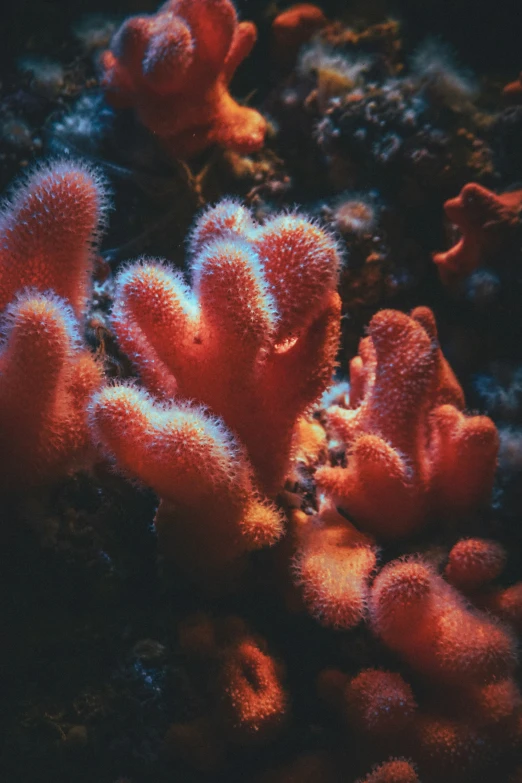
[48,231]
[46,380]
[379,702]
[241,687]
[174,68]
[46,377]
[253,700]
[426,621]
[255,341]
[211,513]
[393,771]
[333,565]
[486,220]
[292,28]
[412,453]
[474,562]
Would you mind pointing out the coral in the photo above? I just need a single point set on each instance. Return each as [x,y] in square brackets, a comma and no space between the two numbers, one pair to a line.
[506,604]
[211,513]
[48,231]
[428,624]
[474,562]
[241,688]
[174,68]
[332,565]
[487,222]
[379,703]
[513,90]
[254,340]
[46,380]
[254,702]
[292,28]
[412,453]
[392,771]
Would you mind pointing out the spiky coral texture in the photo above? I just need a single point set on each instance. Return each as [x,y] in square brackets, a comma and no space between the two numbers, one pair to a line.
[48,232]
[46,379]
[174,68]
[332,566]
[413,454]
[254,340]
[426,621]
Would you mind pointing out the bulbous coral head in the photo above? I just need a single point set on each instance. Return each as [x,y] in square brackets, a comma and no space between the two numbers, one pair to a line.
[48,232]
[174,68]
[412,453]
[292,28]
[474,562]
[211,513]
[487,222]
[254,339]
[425,621]
[332,566]
[253,701]
[379,703]
[46,379]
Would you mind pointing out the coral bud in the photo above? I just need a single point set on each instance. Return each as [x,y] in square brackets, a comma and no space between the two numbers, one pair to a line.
[474,562]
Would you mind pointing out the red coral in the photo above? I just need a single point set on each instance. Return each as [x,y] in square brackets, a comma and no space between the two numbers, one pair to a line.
[255,341]
[486,221]
[426,621]
[393,771]
[474,562]
[174,68]
[240,688]
[292,28]
[412,453]
[506,604]
[211,513]
[333,565]
[47,234]
[253,701]
[379,702]
[46,380]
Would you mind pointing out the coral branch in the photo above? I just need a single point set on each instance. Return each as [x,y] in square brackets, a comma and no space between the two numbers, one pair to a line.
[412,452]
[174,68]
[46,380]
[486,220]
[48,231]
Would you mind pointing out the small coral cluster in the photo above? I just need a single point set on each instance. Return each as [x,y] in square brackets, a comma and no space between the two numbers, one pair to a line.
[174,68]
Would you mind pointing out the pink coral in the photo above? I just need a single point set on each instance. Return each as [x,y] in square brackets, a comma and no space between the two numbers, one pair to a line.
[412,454]
[174,68]
[486,221]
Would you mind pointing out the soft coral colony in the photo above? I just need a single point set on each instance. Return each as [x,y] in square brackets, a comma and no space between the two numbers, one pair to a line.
[232,396]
